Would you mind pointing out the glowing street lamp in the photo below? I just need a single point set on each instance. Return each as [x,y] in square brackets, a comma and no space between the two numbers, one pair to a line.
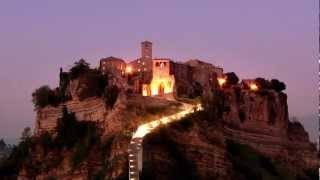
[221,81]
[253,87]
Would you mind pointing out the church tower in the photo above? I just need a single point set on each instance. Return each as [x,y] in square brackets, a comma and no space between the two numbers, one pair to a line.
[146,50]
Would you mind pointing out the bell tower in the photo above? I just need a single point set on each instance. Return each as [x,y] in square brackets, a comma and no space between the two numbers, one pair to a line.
[146,50]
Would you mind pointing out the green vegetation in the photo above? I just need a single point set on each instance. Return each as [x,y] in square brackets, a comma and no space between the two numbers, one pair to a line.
[250,164]
[277,85]
[44,96]
[10,167]
[183,168]
[110,95]
[80,67]
[78,137]
[232,78]
[215,106]
[92,81]
[274,84]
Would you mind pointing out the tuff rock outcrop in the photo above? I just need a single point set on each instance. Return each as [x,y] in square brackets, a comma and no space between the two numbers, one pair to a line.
[197,148]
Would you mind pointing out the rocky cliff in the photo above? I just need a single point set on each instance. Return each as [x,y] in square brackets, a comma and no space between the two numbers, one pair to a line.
[198,148]
[241,134]
[195,148]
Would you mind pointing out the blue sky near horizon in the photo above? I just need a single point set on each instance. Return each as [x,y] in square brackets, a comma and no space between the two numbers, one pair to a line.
[271,39]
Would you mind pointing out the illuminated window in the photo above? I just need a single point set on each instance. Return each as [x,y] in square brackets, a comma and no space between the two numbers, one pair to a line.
[145,69]
[142,63]
[139,70]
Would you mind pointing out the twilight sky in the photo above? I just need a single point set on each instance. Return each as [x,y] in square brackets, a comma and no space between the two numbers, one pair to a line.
[271,39]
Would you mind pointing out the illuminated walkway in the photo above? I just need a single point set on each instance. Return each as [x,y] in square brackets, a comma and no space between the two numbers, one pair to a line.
[135,146]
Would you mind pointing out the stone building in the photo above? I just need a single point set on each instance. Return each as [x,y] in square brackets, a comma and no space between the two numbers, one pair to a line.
[162,79]
[112,64]
[159,76]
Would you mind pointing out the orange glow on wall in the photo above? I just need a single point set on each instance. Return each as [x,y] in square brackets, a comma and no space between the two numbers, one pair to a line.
[253,87]
[162,81]
[222,81]
[128,69]
[161,85]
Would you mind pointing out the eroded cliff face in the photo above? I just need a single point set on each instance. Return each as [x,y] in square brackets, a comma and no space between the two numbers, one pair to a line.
[115,126]
[92,109]
[259,119]
[186,151]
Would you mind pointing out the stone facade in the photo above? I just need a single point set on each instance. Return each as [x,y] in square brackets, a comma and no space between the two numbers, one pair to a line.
[162,79]
[113,64]
[151,76]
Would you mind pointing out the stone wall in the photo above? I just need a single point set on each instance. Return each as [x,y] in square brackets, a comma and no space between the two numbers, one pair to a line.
[188,74]
[91,109]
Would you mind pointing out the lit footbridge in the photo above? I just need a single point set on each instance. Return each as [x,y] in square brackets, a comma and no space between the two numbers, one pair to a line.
[135,146]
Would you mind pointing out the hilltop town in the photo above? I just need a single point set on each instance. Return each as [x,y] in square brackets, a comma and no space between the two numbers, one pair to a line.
[154,118]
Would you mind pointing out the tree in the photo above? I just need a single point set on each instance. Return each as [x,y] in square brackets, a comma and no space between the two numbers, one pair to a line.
[26,134]
[262,83]
[111,95]
[3,145]
[277,85]
[94,84]
[232,78]
[43,96]
[80,67]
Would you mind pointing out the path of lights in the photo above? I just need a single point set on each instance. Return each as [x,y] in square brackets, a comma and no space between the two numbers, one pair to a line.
[135,146]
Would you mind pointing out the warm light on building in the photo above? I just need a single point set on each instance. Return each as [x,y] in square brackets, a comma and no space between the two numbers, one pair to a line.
[222,81]
[128,69]
[162,81]
[253,87]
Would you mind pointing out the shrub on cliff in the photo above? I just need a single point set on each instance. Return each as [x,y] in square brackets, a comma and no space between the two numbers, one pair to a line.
[80,67]
[70,131]
[251,164]
[80,135]
[262,83]
[277,85]
[110,95]
[274,84]
[3,145]
[10,167]
[183,168]
[232,78]
[44,96]
[214,106]
[95,83]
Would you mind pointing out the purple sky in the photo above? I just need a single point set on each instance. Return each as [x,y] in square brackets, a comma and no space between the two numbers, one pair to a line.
[272,39]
